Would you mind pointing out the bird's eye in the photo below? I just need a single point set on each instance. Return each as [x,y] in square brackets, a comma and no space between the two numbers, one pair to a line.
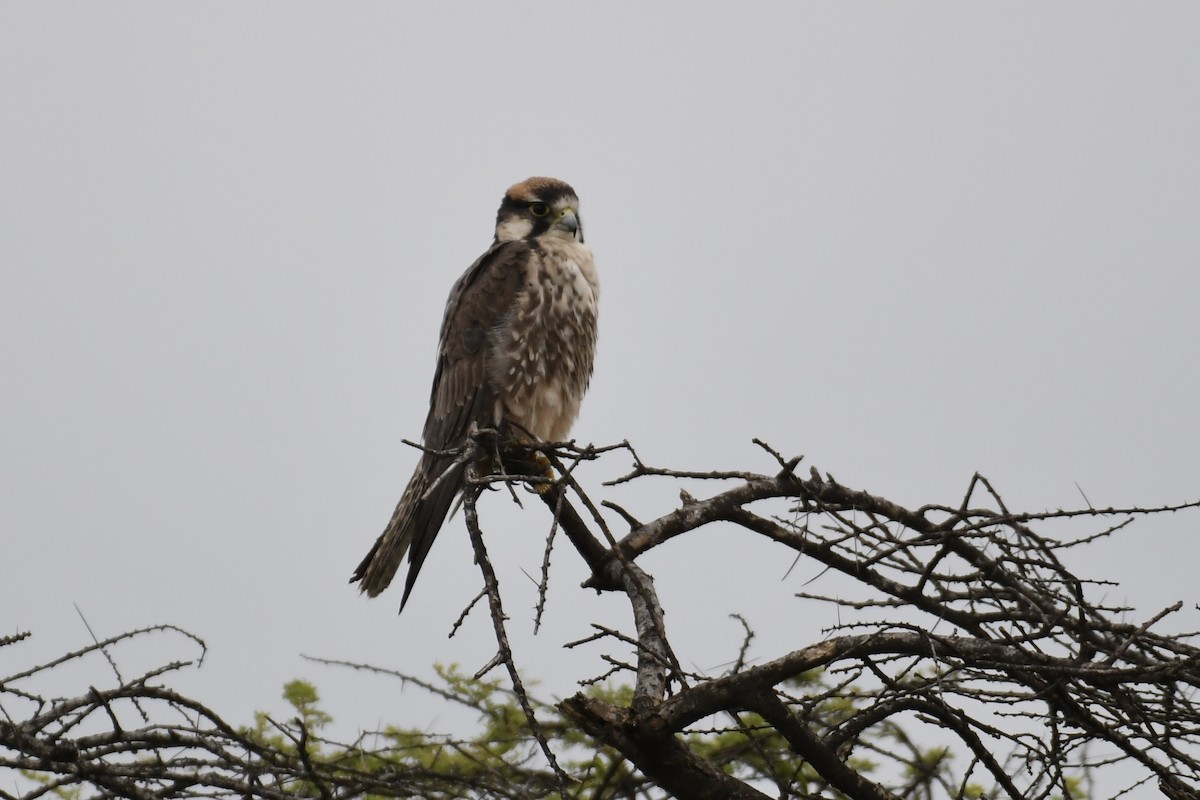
[539,209]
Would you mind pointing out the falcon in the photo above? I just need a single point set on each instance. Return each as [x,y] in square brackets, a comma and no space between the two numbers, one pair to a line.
[515,354]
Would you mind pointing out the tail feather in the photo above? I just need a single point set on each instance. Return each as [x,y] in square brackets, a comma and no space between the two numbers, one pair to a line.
[414,525]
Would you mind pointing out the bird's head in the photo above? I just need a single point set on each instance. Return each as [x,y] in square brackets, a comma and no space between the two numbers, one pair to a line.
[538,207]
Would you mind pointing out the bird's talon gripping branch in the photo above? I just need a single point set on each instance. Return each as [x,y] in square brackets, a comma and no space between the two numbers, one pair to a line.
[545,471]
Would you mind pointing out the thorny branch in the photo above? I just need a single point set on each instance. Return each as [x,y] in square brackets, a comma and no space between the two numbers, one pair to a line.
[504,654]
[95,746]
[971,636]
[1030,644]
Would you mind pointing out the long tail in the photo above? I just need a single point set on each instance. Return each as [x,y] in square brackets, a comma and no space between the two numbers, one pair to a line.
[414,525]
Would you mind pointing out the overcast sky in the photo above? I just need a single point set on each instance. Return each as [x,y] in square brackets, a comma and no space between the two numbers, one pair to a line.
[908,241]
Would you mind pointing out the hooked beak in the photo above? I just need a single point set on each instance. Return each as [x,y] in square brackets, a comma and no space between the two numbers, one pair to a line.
[567,221]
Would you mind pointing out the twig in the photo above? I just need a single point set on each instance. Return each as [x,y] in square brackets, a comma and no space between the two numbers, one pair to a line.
[492,587]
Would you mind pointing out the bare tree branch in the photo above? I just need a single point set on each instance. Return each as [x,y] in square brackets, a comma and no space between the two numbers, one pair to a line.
[980,665]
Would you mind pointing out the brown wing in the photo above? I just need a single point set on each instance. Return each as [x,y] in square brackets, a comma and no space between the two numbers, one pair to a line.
[481,300]
[462,393]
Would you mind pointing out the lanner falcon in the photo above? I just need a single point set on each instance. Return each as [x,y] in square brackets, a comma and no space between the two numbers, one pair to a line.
[515,355]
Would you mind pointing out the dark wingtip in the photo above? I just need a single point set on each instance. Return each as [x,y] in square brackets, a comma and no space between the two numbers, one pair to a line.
[408,586]
[361,570]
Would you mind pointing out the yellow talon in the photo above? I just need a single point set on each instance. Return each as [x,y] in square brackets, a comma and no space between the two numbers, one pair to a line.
[532,463]
[546,471]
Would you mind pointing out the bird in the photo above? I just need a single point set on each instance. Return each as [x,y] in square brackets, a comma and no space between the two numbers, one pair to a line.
[515,354]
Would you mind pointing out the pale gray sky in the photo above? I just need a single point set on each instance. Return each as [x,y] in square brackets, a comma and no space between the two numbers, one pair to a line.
[909,241]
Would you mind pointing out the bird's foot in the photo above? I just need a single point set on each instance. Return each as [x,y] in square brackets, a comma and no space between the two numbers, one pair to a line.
[533,464]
